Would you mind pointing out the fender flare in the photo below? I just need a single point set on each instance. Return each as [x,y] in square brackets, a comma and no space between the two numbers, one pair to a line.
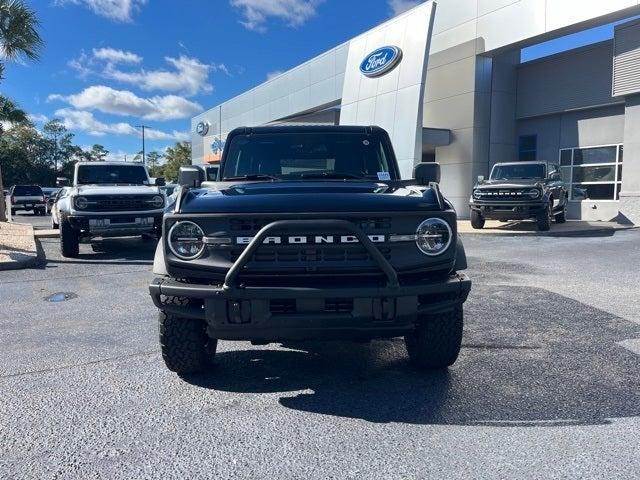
[159,263]
[461,256]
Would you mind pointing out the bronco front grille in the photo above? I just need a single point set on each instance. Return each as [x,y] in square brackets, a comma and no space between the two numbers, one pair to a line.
[120,203]
[310,255]
[503,195]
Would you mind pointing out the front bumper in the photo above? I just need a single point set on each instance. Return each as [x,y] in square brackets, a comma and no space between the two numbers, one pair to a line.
[294,313]
[509,210]
[117,224]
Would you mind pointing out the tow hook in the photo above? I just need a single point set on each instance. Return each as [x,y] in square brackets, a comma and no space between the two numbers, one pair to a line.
[239,311]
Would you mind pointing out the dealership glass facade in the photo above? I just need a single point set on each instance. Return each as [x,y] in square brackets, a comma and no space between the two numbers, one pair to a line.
[593,173]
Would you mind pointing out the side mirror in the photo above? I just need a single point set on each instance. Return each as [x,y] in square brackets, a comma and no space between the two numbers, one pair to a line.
[160,182]
[62,182]
[190,176]
[427,172]
[480,178]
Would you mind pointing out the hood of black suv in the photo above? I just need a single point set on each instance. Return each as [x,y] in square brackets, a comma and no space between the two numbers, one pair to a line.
[511,183]
[307,196]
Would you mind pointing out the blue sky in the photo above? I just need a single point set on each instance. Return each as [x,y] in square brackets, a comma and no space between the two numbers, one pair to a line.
[110,65]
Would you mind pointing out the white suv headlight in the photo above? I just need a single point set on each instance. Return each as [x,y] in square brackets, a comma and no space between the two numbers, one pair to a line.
[533,193]
[433,236]
[185,240]
[81,203]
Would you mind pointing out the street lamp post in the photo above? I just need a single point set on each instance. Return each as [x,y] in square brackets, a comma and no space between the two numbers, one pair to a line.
[143,127]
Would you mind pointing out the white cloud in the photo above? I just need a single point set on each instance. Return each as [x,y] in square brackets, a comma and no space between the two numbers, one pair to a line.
[274,74]
[118,10]
[86,122]
[190,76]
[113,55]
[123,102]
[293,12]
[401,6]
[38,118]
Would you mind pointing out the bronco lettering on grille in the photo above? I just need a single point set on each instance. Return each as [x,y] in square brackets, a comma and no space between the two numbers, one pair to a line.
[314,240]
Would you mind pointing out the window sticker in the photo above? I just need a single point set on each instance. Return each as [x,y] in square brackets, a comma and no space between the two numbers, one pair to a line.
[384,176]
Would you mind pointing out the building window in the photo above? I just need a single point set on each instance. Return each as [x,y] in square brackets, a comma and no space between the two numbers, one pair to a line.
[528,148]
[592,173]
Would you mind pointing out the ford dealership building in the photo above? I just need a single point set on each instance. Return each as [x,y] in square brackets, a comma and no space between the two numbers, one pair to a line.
[446,81]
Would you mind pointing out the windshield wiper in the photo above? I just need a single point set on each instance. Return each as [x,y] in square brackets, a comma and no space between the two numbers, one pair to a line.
[255,176]
[336,175]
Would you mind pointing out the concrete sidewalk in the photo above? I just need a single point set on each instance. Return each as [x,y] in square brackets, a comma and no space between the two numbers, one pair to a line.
[570,228]
[18,247]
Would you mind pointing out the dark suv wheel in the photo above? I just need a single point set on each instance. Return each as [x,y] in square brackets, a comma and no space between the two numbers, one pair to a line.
[436,342]
[186,347]
[477,221]
[543,218]
[69,240]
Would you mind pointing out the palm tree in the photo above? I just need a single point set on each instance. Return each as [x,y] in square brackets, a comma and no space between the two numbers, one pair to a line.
[19,39]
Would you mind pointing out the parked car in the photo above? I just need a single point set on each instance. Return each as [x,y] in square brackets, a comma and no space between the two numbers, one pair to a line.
[309,234]
[109,199]
[55,211]
[520,190]
[29,198]
[49,197]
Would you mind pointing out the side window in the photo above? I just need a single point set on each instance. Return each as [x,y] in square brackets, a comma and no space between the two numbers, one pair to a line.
[528,148]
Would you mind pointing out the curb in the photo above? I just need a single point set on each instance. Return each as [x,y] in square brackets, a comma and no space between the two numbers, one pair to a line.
[31,258]
[593,232]
[49,233]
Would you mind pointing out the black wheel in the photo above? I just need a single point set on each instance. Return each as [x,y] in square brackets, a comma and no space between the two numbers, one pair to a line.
[477,221]
[69,240]
[186,347]
[436,342]
[562,216]
[544,218]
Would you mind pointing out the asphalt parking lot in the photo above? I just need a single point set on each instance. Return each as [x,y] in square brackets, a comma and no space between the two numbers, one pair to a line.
[547,384]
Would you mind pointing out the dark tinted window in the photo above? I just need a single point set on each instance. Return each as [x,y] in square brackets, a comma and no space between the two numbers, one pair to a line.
[212,173]
[27,191]
[293,155]
[112,174]
[507,172]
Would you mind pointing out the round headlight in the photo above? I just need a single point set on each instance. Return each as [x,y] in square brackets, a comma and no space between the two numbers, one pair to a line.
[157,201]
[185,240]
[81,203]
[433,236]
[477,194]
[533,193]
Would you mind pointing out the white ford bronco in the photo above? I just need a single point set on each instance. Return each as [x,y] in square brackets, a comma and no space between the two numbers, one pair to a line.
[109,199]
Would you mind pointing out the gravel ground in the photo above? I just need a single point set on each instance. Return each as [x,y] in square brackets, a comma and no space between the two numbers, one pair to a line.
[546,386]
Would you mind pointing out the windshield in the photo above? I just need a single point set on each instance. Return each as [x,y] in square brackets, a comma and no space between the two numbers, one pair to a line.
[507,172]
[27,191]
[112,174]
[308,155]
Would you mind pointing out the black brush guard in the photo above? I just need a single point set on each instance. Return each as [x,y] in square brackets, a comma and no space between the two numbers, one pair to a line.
[238,312]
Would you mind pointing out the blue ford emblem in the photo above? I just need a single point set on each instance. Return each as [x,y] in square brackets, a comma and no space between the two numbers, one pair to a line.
[380,61]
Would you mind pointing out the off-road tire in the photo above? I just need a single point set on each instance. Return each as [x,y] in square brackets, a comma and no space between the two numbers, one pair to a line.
[477,221]
[186,348]
[69,241]
[436,341]
[561,217]
[543,219]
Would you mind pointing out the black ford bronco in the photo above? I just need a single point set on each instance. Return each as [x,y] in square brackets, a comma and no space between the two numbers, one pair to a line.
[518,191]
[309,233]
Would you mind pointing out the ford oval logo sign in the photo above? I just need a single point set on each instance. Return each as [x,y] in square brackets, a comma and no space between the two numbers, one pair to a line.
[380,61]
[202,128]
